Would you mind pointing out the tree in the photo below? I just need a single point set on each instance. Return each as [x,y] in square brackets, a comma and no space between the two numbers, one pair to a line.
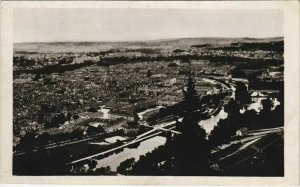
[191,99]
[133,124]
[191,146]
[149,73]
[241,94]
[267,105]
[178,50]
[103,171]
[77,133]
[226,128]
[28,141]
[238,73]
[75,116]
[172,65]
[92,110]
[267,119]
[43,139]
[250,119]
[61,118]
[69,116]
[232,108]
[92,164]
[91,130]
[136,118]
[126,166]
[221,133]
[36,77]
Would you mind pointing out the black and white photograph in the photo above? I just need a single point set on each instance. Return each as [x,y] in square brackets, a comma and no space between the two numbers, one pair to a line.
[148,92]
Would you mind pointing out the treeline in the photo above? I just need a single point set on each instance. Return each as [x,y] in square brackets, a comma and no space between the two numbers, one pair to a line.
[177,156]
[264,46]
[138,50]
[250,119]
[107,61]
[53,161]
[21,61]
[187,58]
[210,101]
[32,140]
[256,84]
[201,46]
[56,68]
[189,153]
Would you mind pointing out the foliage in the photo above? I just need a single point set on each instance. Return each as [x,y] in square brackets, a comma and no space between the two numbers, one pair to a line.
[172,64]
[133,125]
[226,128]
[92,110]
[91,130]
[241,94]
[126,166]
[191,146]
[28,141]
[43,139]
[41,162]
[149,73]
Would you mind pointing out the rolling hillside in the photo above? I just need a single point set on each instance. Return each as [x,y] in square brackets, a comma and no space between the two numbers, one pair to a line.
[183,43]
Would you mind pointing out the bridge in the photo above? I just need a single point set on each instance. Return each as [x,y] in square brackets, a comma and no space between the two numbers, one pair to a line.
[149,134]
[267,91]
[169,130]
[161,127]
[155,128]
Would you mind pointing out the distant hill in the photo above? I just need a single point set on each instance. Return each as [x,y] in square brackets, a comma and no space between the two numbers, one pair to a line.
[182,43]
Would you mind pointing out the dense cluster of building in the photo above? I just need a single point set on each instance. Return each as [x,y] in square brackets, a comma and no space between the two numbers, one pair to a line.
[123,89]
[112,95]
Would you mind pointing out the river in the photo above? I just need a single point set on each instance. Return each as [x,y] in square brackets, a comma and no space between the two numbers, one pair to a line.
[150,144]
[146,146]
[209,124]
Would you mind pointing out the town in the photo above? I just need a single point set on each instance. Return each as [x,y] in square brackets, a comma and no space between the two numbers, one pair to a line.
[88,102]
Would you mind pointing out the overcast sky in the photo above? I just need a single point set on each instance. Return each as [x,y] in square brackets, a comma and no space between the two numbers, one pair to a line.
[47,25]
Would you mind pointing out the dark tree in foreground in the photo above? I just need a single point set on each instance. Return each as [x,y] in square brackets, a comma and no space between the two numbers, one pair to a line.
[182,155]
[250,119]
[226,128]
[267,105]
[43,139]
[126,166]
[41,162]
[267,115]
[28,141]
[191,146]
[241,94]
[191,99]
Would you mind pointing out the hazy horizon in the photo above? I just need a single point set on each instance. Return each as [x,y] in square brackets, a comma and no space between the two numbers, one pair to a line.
[126,25]
[154,40]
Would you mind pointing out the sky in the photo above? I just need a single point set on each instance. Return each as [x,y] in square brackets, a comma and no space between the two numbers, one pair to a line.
[53,25]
